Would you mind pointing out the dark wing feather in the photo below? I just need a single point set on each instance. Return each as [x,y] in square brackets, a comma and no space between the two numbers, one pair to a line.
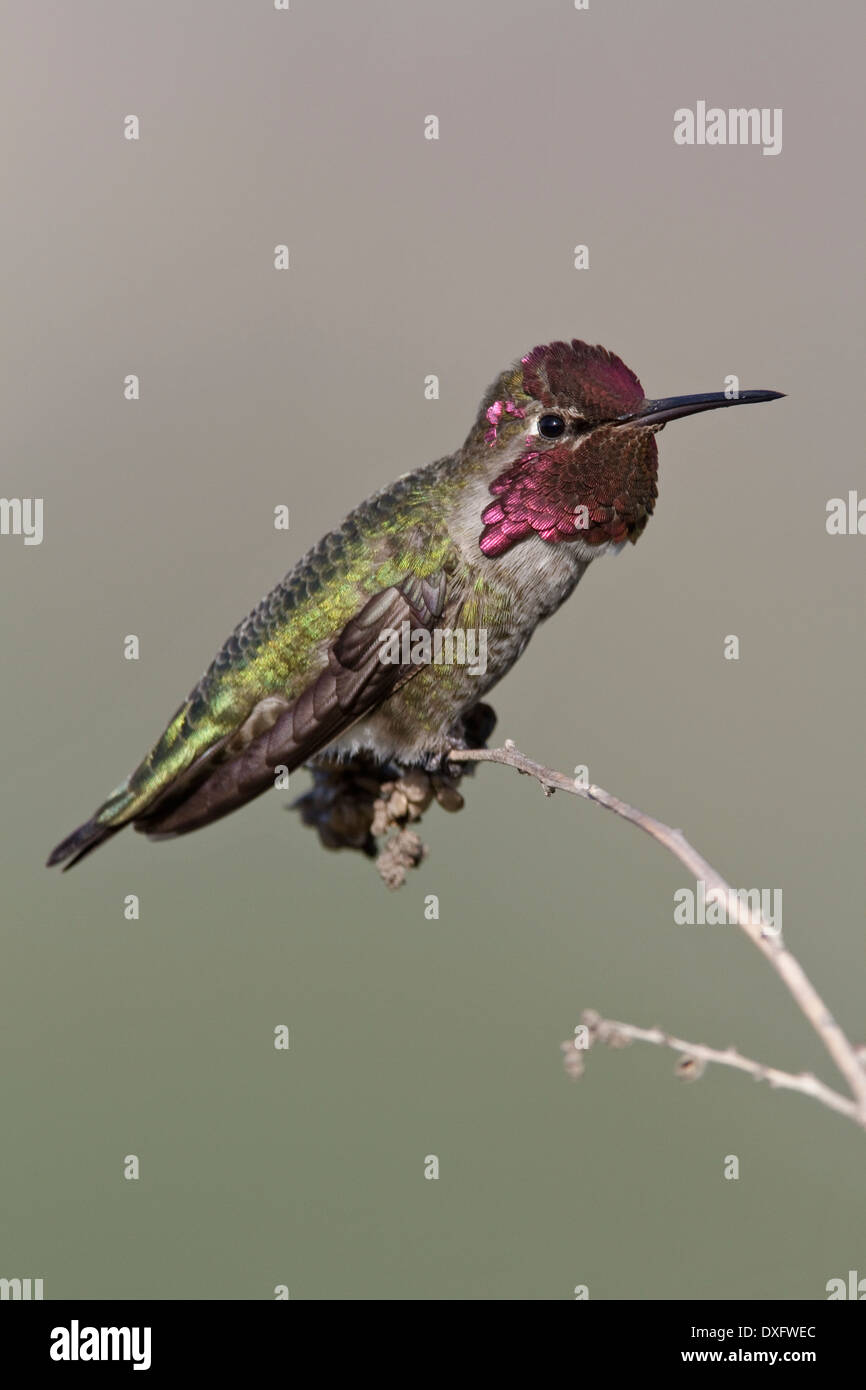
[352,684]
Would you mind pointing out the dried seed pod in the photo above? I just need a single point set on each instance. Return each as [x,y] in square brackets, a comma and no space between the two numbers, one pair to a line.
[449,797]
[398,805]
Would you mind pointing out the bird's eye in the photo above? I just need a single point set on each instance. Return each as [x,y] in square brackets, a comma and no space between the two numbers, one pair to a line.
[551,426]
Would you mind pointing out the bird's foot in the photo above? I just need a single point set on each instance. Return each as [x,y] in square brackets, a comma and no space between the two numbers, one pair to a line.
[371,807]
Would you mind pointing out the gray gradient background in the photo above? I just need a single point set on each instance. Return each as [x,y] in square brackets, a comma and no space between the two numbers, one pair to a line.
[412,1037]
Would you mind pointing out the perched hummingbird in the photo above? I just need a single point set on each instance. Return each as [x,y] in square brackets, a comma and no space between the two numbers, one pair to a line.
[559,467]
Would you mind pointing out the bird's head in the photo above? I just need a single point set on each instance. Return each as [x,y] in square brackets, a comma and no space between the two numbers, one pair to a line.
[569,436]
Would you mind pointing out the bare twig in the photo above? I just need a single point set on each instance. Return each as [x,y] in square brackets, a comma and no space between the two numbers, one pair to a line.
[767,938]
[694,1057]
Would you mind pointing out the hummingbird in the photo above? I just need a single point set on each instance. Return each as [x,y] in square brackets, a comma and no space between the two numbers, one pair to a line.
[560,467]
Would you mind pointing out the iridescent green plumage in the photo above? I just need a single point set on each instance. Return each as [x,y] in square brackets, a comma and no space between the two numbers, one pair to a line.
[274,651]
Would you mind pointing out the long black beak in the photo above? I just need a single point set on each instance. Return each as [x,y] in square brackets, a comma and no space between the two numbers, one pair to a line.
[672,407]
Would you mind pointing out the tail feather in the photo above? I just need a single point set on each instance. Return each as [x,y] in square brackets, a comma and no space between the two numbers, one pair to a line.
[121,809]
[86,838]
